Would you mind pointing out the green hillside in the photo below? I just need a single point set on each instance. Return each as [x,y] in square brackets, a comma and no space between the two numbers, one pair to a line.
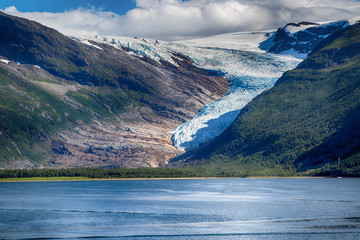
[32,43]
[51,85]
[309,119]
[28,115]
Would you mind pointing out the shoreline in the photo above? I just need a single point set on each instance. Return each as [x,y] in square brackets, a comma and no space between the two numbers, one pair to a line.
[71,179]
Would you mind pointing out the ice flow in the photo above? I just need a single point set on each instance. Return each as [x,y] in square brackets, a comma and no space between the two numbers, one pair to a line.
[237,56]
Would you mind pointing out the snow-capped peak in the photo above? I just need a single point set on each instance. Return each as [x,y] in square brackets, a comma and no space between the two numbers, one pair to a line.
[299,39]
[292,28]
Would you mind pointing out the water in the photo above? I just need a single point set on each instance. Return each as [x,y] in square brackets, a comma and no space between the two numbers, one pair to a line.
[182,209]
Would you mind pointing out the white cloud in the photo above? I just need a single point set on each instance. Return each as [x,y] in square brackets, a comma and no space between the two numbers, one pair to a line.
[86,21]
[174,19]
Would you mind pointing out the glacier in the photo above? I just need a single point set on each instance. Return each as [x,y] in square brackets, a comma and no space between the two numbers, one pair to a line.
[236,56]
[249,73]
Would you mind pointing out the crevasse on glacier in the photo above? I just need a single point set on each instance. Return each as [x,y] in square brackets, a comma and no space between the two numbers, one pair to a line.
[249,73]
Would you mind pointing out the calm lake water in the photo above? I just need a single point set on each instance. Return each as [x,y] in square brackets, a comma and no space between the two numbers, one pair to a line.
[224,209]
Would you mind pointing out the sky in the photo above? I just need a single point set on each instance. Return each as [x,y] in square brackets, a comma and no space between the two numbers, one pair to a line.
[117,6]
[176,19]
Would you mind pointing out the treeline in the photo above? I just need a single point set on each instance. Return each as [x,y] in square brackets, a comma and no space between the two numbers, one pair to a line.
[102,173]
[122,173]
[349,167]
[184,172]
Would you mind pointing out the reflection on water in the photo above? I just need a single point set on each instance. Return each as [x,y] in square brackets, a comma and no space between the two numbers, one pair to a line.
[182,209]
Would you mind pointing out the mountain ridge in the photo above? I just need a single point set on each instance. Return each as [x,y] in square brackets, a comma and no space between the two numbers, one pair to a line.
[294,125]
[299,39]
[116,109]
[102,103]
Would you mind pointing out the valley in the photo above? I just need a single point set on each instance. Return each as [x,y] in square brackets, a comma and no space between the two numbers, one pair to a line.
[308,120]
[70,111]
[250,72]
[109,102]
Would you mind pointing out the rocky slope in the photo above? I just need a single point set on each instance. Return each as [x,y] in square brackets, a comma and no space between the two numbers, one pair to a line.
[111,101]
[299,39]
[308,119]
[241,57]
[250,72]
[66,103]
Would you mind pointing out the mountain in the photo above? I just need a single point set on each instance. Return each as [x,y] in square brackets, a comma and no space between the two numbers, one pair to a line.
[100,101]
[250,72]
[67,103]
[307,120]
[301,38]
[240,57]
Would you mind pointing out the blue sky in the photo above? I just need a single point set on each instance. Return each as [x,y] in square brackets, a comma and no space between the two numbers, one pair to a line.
[176,19]
[116,6]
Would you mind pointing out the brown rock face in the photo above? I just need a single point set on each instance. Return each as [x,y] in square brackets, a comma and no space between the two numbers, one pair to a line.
[107,145]
[144,140]
[134,138]
[91,105]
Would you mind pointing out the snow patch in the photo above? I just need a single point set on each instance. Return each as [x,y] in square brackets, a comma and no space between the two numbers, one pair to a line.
[134,54]
[354,20]
[343,23]
[86,42]
[294,53]
[292,29]
[4,61]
